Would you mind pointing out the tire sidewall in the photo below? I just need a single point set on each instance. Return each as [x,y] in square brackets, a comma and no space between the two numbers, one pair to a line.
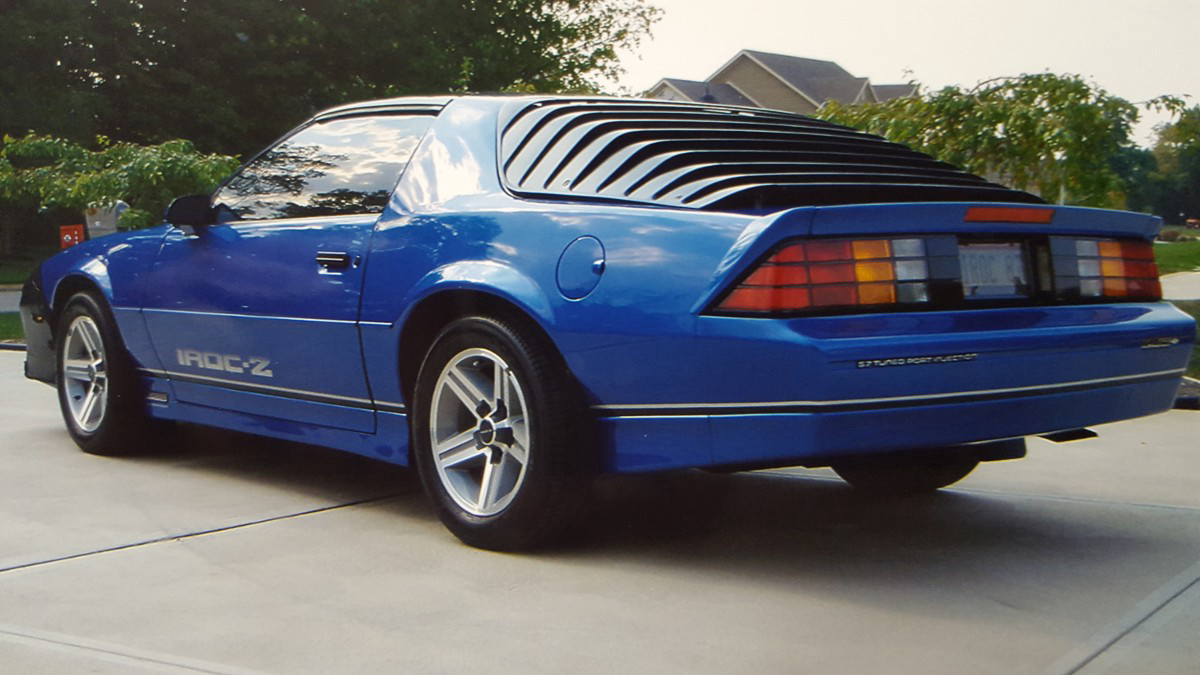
[510,528]
[117,430]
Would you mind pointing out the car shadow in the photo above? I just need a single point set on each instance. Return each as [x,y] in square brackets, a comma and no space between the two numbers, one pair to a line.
[306,469]
[758,524]
[765,524]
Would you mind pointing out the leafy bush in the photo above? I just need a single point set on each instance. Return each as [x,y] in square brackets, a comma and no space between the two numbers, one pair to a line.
[42,172]
[1173,234]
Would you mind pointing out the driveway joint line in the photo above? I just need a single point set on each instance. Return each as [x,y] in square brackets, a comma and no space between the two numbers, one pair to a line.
[201,533]
[1142,612]
[116,653]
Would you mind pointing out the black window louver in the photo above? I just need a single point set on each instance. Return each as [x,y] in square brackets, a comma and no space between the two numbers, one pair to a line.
[718,158]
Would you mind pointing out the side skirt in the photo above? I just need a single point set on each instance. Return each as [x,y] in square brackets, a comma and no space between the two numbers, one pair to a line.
[389,444]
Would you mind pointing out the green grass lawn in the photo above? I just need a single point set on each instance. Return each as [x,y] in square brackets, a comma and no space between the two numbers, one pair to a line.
[10,326]
[1182,256]
[16,266]
[15,271]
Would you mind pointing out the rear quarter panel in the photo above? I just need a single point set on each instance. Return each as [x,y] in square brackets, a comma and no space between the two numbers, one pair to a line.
[452,226]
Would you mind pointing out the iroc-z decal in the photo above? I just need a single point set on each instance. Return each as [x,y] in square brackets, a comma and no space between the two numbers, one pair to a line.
[228,363]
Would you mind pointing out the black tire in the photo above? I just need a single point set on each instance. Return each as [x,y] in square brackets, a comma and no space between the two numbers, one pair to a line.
[907,473]
[512,471]
[98,388]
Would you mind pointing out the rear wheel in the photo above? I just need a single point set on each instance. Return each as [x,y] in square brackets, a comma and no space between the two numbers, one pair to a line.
[97,383]
[495,436]
[907,473]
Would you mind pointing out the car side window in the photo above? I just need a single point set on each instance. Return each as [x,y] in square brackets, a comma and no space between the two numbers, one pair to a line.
[343,166]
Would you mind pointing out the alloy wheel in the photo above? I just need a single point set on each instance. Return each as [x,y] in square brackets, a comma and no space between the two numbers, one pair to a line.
[85,374]
[479,432]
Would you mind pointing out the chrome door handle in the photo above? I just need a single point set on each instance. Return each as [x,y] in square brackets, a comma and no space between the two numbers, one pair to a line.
[333,259]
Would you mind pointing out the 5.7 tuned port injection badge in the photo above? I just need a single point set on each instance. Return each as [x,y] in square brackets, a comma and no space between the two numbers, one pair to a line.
[917,360]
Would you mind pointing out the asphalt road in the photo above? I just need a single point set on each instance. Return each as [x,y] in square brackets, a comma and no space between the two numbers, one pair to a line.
[229,554]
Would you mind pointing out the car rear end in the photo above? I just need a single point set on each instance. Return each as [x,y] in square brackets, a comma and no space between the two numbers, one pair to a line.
[884,327]
[877,299]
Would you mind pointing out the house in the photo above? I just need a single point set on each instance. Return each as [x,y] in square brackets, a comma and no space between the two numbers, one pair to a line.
[765,80]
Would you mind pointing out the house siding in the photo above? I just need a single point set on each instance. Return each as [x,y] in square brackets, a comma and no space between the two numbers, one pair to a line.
[665,93]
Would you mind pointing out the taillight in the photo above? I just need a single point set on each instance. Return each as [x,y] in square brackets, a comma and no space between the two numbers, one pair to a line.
[835,273]
[1106,268]
[944,271]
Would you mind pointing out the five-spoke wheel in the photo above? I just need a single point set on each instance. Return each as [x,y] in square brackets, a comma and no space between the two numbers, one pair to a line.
[496,435]
[97,383]
[85,373]
[480,431]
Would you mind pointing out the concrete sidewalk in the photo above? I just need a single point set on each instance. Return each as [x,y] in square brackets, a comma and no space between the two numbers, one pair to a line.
[1181,286]
[10,299]
[226,553]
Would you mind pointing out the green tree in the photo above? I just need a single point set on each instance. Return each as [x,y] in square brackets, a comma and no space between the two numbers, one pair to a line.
[1137,169]
[232,74]
[44,172]
[1177,178]
[1057,135]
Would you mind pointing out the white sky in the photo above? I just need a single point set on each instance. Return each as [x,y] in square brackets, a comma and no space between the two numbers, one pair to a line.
[1135,49]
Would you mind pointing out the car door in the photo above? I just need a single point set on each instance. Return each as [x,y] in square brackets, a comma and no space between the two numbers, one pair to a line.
[259,313]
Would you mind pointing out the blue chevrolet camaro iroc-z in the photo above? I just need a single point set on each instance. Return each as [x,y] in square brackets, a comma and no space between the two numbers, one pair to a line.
[514,294]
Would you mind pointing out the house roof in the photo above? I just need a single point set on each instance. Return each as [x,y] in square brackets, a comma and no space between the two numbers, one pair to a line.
[844,89]
[887,92]
[815,80]
[718,92]
[795,69]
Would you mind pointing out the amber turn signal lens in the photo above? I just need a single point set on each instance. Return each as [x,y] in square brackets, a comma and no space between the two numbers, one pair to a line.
[1108,268]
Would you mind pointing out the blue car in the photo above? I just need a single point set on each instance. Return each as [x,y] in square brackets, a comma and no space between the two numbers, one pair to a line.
[514,294]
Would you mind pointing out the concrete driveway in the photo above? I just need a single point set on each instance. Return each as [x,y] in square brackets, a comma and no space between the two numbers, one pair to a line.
[228,554]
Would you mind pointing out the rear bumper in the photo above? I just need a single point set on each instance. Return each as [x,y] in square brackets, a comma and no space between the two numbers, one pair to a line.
[804,391]
[764,438]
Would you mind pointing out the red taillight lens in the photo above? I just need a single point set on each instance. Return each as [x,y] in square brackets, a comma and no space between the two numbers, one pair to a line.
[1108,268]
[834,273]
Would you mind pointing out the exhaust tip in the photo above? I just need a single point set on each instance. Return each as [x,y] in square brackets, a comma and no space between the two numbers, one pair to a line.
[1187,403]
[1069,435]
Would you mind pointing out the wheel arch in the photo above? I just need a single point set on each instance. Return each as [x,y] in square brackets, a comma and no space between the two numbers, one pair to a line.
[435,311]
[70,285]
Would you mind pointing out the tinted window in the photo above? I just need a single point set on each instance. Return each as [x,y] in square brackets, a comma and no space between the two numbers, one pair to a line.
[344,166]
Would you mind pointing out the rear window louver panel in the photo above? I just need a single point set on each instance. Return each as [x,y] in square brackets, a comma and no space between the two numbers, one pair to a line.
[718,158]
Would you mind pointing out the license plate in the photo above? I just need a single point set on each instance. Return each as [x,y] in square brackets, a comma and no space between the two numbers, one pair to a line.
[993,270]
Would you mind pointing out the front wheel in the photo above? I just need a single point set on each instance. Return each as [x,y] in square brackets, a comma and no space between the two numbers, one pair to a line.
[97,383]
[906,473]
[496,437]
